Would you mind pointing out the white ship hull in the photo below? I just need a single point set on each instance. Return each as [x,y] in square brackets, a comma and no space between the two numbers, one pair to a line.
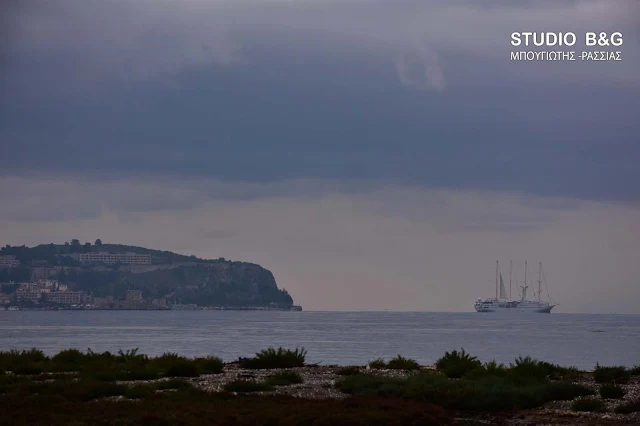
[513,307]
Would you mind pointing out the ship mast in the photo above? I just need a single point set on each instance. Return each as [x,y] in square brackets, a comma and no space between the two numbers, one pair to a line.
[524,288]
[510,269]
[497,272]
[539,280]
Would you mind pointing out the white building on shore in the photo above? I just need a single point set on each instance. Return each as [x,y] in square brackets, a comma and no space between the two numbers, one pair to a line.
[110,258]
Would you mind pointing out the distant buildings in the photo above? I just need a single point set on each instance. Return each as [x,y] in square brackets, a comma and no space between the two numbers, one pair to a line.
[5,299]
[134,296]
[110,258]
[31,294]
[50,291]
[133,300]
[67,297]
[8,261]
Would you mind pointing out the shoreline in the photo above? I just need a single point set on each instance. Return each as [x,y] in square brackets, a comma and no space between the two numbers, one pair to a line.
[294,308]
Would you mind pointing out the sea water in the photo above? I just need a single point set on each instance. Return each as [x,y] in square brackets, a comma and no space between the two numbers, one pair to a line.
[346,338]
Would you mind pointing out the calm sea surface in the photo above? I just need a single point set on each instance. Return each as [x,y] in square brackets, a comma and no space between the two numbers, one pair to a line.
[333,337]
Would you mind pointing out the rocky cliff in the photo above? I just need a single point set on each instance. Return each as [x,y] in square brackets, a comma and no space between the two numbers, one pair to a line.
[177,278]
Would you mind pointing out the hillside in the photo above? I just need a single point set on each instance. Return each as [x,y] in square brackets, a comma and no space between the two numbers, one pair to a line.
[166,276]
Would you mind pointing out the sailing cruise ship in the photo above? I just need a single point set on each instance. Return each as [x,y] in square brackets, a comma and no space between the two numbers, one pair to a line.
[503,301]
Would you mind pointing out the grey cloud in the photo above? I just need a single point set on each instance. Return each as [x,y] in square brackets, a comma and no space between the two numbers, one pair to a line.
[412,92]
[72,198]
[421,69]
[144,41]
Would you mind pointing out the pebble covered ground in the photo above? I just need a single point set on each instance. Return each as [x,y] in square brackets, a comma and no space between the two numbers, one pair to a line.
[319,382]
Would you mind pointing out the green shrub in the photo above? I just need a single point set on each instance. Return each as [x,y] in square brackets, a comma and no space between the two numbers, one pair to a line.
[87,390]
[401,363]
[494,368]
[131,356]
[123,372]
[30,368]
[617,374]
[280,358]
[35,355]
[137,373]
[488,369]
[24,361]
[632,406]
[10,381]
[103,375]
[96,361]
[397,363]
[635,370]
[68,360]
[184,368]
[564,391]
[284,378]
[456,364]
[589,404]
[348,371]
[102,357]
[370,385]
[611,391]
[169,357]
[488,394]
[166,360]
[530,368]
[172,384]
[209,365]
[139,392]
[378,364]
[247,386]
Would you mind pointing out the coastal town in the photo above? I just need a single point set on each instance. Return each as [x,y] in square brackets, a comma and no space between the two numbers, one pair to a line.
[69,277]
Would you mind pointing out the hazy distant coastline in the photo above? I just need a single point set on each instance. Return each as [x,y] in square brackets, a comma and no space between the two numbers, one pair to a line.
[120,277]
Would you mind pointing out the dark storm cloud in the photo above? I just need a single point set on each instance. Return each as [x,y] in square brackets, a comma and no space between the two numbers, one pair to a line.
[408,92]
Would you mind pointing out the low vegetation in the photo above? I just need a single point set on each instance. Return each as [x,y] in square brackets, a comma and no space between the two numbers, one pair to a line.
[174,384]
[284,378]
[348,371]
[611,391]
[139,391]
[209,365]
[632,406]
[529,367]
[397,363]
[276,358]
[247,386]
[461,382]
[484,394]
[32,361]
[617,374]
[378,363]
[456,364]
[588,404]
[526,383]
[401,363]
[107,367]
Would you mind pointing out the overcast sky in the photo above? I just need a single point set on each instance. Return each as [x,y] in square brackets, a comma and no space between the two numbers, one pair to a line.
[371,154]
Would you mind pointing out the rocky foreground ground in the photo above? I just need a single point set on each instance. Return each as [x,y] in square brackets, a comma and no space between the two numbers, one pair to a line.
[277,388]
[319,383]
